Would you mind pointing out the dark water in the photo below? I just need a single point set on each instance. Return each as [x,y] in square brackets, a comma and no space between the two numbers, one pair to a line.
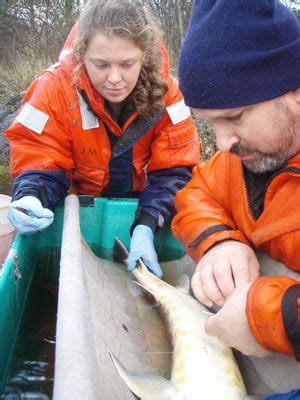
[32,370]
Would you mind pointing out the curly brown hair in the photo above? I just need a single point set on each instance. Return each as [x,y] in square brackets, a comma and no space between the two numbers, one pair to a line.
[127,19]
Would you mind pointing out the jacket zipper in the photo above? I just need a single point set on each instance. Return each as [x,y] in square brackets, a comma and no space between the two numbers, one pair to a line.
[294,170]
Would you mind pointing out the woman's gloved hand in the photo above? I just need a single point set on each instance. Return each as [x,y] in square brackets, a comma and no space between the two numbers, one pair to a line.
[28,216]
[141,246]
[293,395]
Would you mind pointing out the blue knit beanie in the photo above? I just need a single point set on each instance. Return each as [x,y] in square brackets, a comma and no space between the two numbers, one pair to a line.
[239,52]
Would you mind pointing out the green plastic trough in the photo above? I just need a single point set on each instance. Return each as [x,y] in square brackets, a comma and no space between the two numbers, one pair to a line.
[101,221]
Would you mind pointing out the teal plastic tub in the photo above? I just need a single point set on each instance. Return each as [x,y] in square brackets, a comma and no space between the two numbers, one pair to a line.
[37,256]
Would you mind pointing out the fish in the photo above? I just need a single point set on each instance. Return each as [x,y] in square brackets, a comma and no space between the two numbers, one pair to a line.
[203,367]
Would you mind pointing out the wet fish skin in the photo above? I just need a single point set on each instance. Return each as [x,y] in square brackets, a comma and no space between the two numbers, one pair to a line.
[203,367]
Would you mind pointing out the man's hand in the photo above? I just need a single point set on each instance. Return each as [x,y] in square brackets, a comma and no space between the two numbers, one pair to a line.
[141,246]
[224,267]
[28,216]
[230,324]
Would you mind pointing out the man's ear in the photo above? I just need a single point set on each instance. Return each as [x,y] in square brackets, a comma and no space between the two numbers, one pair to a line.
[297,95]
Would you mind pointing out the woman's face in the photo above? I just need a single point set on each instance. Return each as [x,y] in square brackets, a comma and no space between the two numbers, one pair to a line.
[113,65]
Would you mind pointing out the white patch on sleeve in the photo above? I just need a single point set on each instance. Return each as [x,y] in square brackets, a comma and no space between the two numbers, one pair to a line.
[178,112]
[32,118]
[89,119]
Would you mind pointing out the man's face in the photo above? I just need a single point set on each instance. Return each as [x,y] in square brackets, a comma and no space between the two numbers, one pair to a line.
[263,135]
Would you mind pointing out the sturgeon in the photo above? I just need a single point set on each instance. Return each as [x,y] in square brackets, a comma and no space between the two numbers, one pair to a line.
[203,367]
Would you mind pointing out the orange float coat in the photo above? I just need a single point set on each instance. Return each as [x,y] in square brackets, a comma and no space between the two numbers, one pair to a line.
[66,132]
[220,203]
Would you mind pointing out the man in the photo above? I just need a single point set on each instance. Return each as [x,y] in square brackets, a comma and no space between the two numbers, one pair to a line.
[239,69]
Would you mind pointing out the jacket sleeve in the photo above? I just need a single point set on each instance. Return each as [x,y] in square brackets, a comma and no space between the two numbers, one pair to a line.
[273,313]
[156,203]
[174,151]
[203,217]
[48,186]
[39,140]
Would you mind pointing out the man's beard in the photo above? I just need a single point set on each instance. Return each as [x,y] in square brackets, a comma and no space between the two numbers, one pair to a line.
[264,162]
[283,133]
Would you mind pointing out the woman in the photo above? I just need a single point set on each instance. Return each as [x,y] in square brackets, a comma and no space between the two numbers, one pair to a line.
[108,117]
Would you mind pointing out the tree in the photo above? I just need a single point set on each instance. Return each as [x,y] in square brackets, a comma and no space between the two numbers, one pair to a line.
[173,15]
[35,28]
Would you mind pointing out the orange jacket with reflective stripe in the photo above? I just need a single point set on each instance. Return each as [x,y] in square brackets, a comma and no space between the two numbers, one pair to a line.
[74,139]
[215,206]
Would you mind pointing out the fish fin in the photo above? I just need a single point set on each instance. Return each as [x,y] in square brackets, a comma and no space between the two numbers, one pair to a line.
[147,290]
[146,387]
[184,284]
[120,253]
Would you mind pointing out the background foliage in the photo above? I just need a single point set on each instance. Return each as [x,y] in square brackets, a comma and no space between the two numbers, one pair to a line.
[33,32]
[36,30]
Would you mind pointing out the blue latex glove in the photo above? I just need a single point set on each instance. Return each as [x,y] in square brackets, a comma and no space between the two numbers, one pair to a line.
[293,395]
[33,218]
[141,246]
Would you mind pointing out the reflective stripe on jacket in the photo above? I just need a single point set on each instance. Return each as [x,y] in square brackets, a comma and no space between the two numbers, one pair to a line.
[215,206]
